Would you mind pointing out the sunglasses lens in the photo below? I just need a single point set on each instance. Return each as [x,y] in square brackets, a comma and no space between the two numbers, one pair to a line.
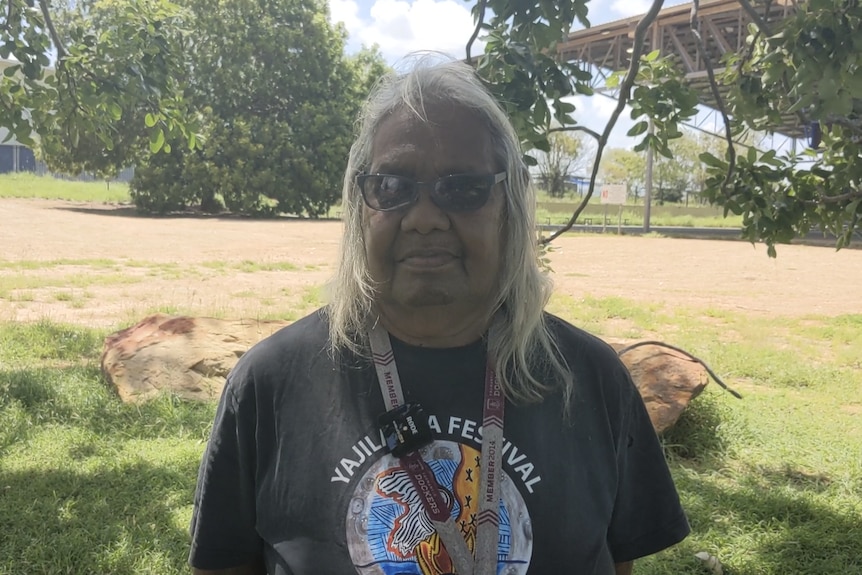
[462,193]
[387,192]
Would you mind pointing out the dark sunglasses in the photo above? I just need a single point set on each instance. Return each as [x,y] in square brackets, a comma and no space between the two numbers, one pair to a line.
[456,193]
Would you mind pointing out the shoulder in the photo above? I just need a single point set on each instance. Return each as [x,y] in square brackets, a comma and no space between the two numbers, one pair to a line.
[579,346]
[596,369]
[296,349]
[308,334]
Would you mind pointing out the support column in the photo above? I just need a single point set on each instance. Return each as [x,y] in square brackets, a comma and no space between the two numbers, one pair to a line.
[648,182]
[655,45]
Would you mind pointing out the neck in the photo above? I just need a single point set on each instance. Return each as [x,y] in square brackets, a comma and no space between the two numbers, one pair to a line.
[433,326]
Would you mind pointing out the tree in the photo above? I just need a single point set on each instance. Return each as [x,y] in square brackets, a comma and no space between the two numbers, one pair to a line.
[565,156]
[88,110]
[807,65]
[280,98]
[621,166]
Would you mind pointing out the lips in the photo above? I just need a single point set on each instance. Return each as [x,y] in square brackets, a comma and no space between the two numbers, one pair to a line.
[427,258]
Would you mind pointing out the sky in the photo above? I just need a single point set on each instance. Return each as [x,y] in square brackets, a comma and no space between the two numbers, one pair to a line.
[399,27]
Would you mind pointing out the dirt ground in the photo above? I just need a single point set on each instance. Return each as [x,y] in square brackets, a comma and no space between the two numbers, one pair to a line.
[103,265]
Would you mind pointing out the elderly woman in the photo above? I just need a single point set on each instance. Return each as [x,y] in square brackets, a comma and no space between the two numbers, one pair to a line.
[433,418]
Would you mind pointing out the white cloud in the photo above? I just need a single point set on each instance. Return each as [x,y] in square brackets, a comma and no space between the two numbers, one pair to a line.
[595,111]
[402,26]
[626,8]
[346,11]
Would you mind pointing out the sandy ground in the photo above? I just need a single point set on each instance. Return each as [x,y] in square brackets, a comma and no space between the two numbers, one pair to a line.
[105,266]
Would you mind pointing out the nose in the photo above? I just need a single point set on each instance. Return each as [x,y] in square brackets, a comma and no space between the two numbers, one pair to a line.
[424,216]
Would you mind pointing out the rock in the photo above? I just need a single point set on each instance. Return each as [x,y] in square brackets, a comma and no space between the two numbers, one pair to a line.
[667,380]
[189,356]
[192,356]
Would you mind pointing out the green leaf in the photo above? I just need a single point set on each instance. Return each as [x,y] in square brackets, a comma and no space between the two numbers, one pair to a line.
[712,161]
[116,111]
[652,56]
[150,120]
[638,129]
[157,141]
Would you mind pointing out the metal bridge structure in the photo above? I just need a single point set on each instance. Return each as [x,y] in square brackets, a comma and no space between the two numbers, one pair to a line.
[723,26]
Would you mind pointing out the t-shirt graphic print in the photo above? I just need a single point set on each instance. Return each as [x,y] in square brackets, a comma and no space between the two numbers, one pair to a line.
[389,532]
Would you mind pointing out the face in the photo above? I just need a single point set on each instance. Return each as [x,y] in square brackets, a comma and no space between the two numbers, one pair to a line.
[422,256]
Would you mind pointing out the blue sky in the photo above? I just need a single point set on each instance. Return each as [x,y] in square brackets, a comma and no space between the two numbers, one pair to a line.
[399,27]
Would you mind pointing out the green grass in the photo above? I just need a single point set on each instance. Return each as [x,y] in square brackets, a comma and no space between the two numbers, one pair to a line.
[102,263]
[559,212]
[16,285]
[10,283]
[24,185]
[89,485]
[772,483]
[251,267]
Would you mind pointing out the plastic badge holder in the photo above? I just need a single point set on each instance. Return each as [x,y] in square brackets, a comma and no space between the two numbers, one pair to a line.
[405,429]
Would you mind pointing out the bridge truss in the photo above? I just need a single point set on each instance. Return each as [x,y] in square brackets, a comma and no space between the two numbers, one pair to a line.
[723,26]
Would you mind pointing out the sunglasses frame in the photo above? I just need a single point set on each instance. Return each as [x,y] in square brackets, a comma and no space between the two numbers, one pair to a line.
[490,179]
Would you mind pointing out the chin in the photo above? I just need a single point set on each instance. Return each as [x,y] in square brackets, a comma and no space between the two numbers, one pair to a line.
[428,299]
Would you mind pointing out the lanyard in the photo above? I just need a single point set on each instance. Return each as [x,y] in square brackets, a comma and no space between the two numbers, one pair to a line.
[422,478]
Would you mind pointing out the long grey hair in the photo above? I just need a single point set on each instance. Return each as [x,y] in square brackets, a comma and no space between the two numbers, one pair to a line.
[519,339]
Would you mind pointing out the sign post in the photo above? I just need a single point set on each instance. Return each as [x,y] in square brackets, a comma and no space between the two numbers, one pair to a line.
[614,194]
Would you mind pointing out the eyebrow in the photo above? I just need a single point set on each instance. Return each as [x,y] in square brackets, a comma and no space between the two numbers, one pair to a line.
[397,170]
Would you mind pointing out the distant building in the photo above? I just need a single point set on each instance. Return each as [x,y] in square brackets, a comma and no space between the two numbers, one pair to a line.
[15,157]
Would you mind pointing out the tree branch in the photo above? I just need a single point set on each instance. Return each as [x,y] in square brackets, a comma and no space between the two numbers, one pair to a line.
[480,20]
[752,13]
[694,24]
[682,351]
[835,199]
[61,50]
[584,129]
[625,91]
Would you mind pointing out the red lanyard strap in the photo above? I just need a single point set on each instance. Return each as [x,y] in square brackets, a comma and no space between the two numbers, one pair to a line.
[424,482]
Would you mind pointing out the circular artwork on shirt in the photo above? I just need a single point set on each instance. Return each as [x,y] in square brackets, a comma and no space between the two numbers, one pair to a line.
[389,533]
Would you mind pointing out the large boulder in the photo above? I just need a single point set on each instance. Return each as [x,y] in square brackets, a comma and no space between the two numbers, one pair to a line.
[666,379]
[191,356]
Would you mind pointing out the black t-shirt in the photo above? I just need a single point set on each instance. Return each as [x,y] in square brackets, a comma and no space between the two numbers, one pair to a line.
[295,468]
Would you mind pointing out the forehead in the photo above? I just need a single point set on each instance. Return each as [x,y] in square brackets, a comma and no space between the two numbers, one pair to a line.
[450,139]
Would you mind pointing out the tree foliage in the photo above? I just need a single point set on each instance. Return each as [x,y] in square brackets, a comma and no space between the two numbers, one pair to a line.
[86,111]
[622,166]
[280,98]
[244,104]
[565,156]
[807,64]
